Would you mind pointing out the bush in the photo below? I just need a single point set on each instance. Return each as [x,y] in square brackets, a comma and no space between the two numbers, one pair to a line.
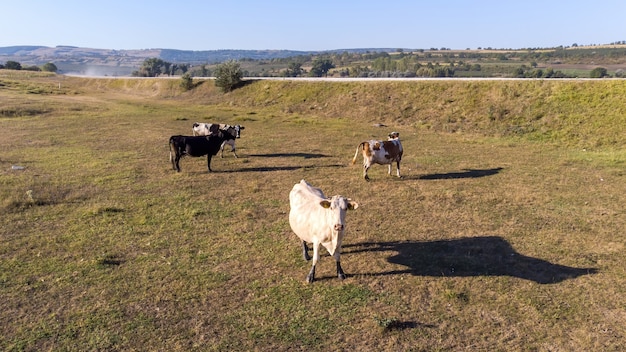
[49,67]
[13,65]
[186,82]
[598,72]
[228,76]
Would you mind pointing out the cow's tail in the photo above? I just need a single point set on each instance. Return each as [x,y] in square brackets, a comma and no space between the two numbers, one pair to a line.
[356,154]
[171,145]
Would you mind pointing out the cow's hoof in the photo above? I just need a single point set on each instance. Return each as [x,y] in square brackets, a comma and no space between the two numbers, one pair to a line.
[342,276]
[310,279]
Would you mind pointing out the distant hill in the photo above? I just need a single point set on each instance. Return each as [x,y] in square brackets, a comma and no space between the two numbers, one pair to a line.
[575,61]
[71,59]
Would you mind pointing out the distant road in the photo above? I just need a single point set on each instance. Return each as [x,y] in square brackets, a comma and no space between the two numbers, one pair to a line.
[361,79]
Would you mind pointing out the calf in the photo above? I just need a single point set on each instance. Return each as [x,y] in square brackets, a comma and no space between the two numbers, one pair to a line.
[316,219]
[196,146]
[205,129]
[380,152]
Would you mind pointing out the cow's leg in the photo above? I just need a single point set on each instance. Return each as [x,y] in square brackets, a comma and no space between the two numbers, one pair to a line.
[340,273]
[305,251]
[398,167]
[234,153]
[389,170]
[316,257]
[177,162]
[208,161]
[311,276]
[222,149]
[365,168]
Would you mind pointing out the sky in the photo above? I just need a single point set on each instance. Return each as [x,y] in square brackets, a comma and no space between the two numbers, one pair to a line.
[312,25]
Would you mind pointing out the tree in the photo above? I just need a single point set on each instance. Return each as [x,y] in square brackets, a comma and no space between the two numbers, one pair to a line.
[598,72]
[186,82]
[321,66]
[13,65]
[49,67]
[152,67]
[228,75]
[294,69]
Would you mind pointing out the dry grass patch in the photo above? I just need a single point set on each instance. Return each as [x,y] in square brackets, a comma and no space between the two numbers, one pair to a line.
[487,243]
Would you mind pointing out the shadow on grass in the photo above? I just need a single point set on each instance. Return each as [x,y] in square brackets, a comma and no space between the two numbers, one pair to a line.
[467,173]
[262,169]
[473,256]
[289,155]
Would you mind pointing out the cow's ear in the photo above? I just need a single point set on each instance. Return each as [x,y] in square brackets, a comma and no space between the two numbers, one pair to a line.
[352,204]
[325,203]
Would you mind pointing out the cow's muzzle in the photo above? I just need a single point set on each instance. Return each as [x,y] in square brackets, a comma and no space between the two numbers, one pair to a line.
[338,227]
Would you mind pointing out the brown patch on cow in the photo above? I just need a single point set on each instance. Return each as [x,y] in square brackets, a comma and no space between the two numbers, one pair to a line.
[376,146]
[392,149]
[366,149]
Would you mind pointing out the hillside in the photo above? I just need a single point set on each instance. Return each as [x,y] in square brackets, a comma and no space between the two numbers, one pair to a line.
[111,62]
[364,62]
[582,113]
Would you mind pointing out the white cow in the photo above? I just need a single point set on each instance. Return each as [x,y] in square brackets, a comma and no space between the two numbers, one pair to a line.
[316,219]
[205,129]
[380,152]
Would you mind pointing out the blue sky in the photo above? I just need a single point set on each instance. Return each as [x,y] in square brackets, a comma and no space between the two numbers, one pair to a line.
[312,25]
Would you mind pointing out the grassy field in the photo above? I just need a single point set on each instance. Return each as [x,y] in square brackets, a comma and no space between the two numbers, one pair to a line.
[505,234]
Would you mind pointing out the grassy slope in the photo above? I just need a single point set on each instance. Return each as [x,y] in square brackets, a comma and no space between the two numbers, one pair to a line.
[582,113]
[505,235]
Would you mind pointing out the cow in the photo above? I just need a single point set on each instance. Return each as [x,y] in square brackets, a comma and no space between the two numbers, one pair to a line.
[205,129]
[317,219]
[197,146]
[380,152]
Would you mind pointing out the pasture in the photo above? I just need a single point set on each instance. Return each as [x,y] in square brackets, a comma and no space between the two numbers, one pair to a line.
[505,234]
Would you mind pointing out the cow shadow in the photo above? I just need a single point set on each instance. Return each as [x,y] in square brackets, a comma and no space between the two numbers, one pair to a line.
[290,155]
[465,257]
[279,168]
[466,173]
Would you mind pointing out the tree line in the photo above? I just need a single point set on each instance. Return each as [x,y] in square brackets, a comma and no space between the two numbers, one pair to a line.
[14,65]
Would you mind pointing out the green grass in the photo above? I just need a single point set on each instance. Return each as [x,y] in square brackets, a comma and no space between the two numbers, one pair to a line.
[493,240]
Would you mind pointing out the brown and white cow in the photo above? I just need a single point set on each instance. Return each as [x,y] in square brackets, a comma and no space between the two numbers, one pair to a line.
[380,152]
[316,219]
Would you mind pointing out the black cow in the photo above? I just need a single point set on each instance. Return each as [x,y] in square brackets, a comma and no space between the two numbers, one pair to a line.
[197,146]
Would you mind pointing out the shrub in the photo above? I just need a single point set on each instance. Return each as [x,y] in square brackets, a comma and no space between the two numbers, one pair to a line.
[49,67]
[228,75]
[186,82]
[598,72]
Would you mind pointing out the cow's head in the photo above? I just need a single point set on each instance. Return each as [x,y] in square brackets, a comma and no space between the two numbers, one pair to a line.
[394,135]
[337,206]
[238,129]
[235,131]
